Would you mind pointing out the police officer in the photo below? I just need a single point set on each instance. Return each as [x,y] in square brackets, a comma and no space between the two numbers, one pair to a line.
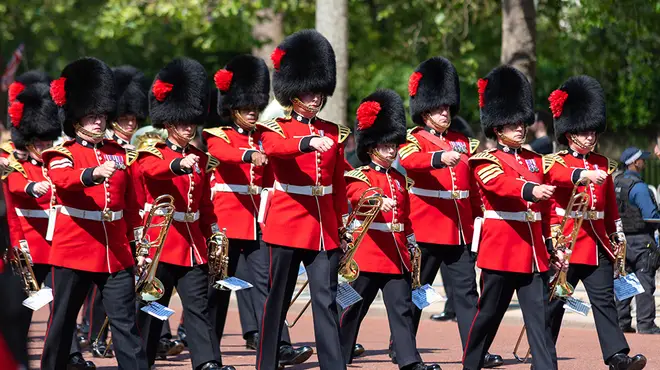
[578,108]
[307,155]
[96,216]
[637,203]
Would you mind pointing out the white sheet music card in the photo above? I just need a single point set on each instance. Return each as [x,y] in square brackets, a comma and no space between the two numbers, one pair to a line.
[575,305]
[346,296]
[301,269]
[233,283]
[39,299]
[425,295]
[158,311]
[627,286]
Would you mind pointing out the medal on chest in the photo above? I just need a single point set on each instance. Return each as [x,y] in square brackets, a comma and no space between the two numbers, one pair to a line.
[119,160]
[459,146]
[531,165]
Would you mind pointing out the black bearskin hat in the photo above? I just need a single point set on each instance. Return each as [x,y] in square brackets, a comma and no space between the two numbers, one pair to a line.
[244,82]
[179,93]
[433,84]
[578,106]
[34,115]
[381,119]
[213,119]
[304,62]
[27,78]
[86,86]
[505,97]
[132,89]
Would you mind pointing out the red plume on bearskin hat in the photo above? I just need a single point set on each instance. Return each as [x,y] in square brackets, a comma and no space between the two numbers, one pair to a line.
[86,86]
[132,92]
[433,84]
[381,119]
[179,93]
[34,115]
[578,106]
[505,97]
[304,62]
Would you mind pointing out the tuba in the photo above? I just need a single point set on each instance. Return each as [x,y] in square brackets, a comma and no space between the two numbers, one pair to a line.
[218,256]
[21,263]
[559,286]
[367,207]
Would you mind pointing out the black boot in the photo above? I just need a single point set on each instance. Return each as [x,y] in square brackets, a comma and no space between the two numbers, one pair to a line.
[168,347]
[653,330]
[102,350]
[212,365]
[422,366]
[628,329]
[621,361]
[77,362]
[358,350]
[491,360]
[252,340]
[444,316]
[294,356]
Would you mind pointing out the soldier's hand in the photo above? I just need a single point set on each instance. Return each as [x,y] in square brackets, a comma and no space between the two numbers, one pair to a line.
[343,245]
[450,158]
[104,171]
[188,162]
[596,176]
[388,205]
[543,192]
[41,188]
[259,159]
[561,260]
[3,164]
[321,144]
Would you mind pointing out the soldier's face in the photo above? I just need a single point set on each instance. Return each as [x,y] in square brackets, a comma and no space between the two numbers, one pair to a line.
[249,114]
[384,153]
[439,117]
[587,139]
[94,123]
[41,145]
[185,129]
[311,99]
[127,122]
[514,132]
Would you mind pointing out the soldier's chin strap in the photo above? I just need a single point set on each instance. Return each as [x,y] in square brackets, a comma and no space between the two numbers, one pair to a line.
[173,132]
[435,124]
[92,135]
[385,162]
[581,145]
[35,153]
[306,110]
[127,133]
[242,122]
[511,142]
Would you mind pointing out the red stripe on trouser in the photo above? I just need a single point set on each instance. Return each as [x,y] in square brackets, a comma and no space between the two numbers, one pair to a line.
[467,342]
[263,315]
[50,320]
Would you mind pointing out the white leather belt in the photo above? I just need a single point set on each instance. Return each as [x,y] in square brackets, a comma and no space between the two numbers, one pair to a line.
[526,216]
[189,217]
[590,215]
[312,191]
[442,194]
[106,216]
[32,213]
[241,189]
[387,227]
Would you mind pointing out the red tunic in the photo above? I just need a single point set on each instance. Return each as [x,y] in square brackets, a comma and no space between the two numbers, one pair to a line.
[420,156]
[318,217]
[602,201]
[91,244]
[236,183]
[185,244]
[383,251]
[15,230]
[32,211]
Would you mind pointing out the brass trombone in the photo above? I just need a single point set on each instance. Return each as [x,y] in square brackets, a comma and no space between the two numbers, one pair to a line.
[148,287]
[21,263]
[367,208]
[218,256]
[559,286]
[416,261]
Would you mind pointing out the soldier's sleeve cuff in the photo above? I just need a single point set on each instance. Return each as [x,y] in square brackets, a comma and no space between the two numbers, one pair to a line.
[577,175]
[549,246]
[29,190]
[247,156]
[436,160]
[304,144]
[411,239]
[175,167]
[87,177]
[527,192]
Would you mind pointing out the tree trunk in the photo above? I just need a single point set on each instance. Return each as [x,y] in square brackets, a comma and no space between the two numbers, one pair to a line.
[268,32]
[519,36]
[332,22]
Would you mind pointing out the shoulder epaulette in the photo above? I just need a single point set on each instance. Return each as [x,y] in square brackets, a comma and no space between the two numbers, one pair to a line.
[612,165]
[409,183]
[219,132]
[151,149]
[61,150]
[272,125]
[7,147]
[211,163]
[343,132]
[550,159]
[407,150]
[14,165]
[486,156]
[358,174]
[474,145]
[131,156]
[410,137]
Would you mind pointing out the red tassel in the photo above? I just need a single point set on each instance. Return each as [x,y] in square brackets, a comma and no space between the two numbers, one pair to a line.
[15,88]
[276,57]
[557,99]
[367,113]
[481,87]
[161,90]
[223,79]
[413,83]
[16,113]
[57,91]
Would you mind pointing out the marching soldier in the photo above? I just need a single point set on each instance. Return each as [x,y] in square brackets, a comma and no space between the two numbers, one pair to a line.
[383,255]
[445,195]
[243,87]
[578,108]
[95,216]
[307,157]
[178,102]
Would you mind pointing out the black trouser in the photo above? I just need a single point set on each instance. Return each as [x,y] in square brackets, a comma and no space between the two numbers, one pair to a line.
[95,314]
[40,273]
[192,285]
[321,269]
[70,288]
[449,289]
[638,261]
[598,282]
[397,296]
[497,288]
[11,313]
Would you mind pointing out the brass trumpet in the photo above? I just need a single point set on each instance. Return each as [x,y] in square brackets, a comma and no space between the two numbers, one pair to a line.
[21,263]
[559,286]
[367,208]
[148,287]
[218,256]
